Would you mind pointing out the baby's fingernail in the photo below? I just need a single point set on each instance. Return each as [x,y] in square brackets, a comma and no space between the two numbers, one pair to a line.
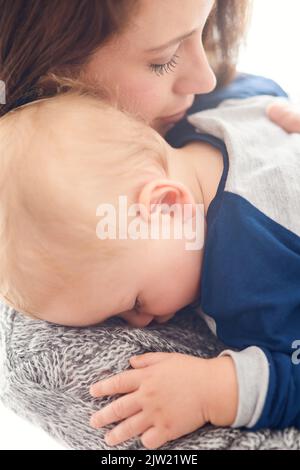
[94,390]
[133,358]
[109,440]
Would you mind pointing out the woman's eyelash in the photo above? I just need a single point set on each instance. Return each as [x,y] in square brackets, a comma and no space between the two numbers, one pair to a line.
[160,69]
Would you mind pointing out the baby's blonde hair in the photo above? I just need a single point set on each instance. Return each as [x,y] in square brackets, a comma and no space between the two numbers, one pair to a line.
[59,158]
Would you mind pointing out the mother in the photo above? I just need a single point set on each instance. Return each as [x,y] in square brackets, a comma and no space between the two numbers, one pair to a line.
[152,57]
[123,45]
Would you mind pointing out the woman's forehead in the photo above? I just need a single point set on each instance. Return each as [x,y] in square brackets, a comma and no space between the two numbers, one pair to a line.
[158,22]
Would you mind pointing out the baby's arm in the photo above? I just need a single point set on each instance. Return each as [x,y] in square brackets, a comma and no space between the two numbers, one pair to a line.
[167,395]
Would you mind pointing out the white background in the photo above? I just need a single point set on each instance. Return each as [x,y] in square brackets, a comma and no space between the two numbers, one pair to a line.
[273,43]
[272,51]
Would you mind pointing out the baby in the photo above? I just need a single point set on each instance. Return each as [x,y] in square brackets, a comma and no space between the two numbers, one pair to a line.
[68,161]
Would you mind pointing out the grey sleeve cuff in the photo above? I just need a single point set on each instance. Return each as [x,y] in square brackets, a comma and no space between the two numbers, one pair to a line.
[252,369]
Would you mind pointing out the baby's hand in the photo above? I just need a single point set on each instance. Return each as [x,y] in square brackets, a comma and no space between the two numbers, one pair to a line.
[168,395]
[285,115]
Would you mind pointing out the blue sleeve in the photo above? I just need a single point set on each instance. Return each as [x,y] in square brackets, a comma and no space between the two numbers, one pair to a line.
[282,404]
[244,86]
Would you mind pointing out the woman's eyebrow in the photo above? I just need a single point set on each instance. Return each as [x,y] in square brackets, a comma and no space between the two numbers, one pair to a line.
[172,42]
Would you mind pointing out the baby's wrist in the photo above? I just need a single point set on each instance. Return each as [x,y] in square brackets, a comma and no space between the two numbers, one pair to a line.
[222,401]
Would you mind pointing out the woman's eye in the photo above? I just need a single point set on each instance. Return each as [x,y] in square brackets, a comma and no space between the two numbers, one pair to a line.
[160,69]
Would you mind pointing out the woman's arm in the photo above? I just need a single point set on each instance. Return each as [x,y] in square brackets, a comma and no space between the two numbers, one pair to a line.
[47,370]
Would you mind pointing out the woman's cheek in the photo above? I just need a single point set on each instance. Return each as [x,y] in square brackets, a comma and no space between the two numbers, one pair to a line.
[145,97]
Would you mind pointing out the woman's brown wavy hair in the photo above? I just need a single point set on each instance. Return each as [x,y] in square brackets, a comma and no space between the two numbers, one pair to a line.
[39,38]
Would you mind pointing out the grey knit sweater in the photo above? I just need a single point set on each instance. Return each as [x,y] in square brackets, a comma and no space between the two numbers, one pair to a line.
[46,370]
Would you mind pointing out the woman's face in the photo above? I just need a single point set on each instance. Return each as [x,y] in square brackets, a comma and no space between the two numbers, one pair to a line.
[157,65]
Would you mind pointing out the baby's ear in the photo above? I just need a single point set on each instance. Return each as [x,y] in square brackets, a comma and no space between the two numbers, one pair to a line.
[163,194]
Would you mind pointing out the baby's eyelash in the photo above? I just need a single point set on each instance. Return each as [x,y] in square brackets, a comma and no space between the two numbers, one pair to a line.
[160,69]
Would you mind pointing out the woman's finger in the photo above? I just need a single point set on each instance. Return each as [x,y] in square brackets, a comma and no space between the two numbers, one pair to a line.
[285,116]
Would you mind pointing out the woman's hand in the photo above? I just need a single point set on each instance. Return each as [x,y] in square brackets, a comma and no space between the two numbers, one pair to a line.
[285,115]
[168,395]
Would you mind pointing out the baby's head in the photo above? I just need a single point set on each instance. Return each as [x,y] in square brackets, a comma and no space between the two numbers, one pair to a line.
[64,164]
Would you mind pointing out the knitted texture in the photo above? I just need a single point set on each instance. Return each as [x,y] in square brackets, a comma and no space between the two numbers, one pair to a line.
[46,371]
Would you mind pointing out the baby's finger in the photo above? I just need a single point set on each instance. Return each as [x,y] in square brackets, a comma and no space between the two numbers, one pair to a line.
[129,428]
[153,438]
[124,382]
[116,411]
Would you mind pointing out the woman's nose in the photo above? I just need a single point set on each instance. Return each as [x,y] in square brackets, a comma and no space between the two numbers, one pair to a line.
[197,76]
